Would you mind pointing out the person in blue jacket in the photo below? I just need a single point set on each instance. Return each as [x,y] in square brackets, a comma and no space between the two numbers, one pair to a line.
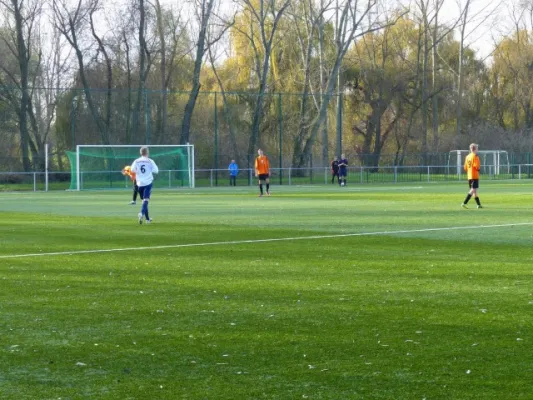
[233,171]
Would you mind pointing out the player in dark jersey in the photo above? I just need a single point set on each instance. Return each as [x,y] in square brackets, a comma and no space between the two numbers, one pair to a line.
[335,170]
[343,170]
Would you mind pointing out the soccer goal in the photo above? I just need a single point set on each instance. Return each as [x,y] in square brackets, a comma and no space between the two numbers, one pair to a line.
[493,162]
[100,166]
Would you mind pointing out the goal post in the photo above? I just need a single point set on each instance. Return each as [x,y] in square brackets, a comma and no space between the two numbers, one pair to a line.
[493,162]
[100,166]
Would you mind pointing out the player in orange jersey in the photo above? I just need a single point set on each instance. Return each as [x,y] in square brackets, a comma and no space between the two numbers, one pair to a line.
[126,171]
[472,167]
[262,172]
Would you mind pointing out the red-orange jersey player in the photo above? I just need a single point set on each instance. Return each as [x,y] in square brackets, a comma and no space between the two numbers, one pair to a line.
[262,172]
[126,171]
[472,167]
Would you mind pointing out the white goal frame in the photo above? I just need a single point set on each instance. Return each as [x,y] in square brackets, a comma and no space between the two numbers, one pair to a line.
[188,146]
[497,163]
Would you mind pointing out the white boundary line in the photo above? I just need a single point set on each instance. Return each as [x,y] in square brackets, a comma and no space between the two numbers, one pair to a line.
[233,242]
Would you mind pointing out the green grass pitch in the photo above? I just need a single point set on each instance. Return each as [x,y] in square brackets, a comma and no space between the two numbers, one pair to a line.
[391,292]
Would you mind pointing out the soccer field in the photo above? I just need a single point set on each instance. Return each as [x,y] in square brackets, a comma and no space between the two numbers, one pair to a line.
[362,292]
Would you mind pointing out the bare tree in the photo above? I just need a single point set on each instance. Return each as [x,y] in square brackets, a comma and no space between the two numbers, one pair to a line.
[50,80]
[265,17]
[71,22]
[212,56]
[32,64]
[21,19]
[145,63]
[477,19]
[432,34]
[426,34]
[94,7]
[204,15]
[352,23]
[166,20]
[124,50]
[309,24]
[434,68]
[460,78]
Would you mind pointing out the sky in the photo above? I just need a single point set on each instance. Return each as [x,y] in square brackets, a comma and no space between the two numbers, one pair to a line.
[487,21]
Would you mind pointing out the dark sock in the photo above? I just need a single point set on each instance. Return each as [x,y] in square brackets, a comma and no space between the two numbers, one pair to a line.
[268,187]
[261,188]
[468,197]
[145,210]
[134,195]
[477,201]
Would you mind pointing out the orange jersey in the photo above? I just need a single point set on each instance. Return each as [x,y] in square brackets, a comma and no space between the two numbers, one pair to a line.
[472,166]
[262,166]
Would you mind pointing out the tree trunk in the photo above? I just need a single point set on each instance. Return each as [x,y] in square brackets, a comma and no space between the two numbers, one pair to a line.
[142,72]
[258,109]
[200,51]
[23,61]
[299,159]
[322,66]
[435,100]
[109,76]
[129,86]
[164,106]
[460,85]
[425,62]
[189,108]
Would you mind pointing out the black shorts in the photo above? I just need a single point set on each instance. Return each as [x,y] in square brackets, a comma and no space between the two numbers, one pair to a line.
[343,172]
[263,177]
[473,183]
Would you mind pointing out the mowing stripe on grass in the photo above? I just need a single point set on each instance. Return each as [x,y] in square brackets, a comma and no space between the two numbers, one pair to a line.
[364,189]
[314,237]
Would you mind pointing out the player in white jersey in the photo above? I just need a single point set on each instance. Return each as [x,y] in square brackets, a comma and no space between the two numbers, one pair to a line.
[144,168]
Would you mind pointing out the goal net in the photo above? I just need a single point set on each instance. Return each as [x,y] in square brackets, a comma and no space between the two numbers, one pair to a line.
[100,166]
[493,162]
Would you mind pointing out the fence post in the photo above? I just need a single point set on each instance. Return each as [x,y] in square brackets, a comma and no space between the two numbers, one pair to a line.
[428,173]
[249,170]
[290,176]
[73,119]
[325,175]
[311,169]
[361,173]
[339,117]
[46,167]
[169,184]
[280,108]
[34,182]
[211,178]
[147,115]
[395,174]
[519,171]
[216,140]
